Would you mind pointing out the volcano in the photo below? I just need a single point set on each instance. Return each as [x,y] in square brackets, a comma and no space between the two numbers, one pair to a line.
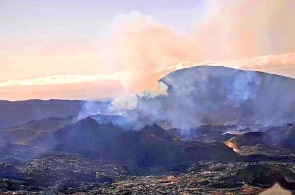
[226,130]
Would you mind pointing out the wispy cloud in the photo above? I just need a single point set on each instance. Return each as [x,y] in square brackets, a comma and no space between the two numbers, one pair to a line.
[60,79]
[262,63]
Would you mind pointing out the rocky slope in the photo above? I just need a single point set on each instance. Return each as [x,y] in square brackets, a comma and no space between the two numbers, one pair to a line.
[93,158]
[150,147]
[272,140]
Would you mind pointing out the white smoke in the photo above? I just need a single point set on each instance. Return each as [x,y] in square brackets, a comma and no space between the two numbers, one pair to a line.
[188,98]
[140,115]
[90,108]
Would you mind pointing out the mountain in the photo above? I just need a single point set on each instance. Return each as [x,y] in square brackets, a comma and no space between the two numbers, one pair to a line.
[151,146]
[20,112]
[230,121]
[23,133]
[212,95]
[201,95]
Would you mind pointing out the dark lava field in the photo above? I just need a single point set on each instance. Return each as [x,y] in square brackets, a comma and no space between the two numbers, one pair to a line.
[149,161]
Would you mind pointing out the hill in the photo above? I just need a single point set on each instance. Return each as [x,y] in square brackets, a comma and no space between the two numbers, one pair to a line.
[210,95]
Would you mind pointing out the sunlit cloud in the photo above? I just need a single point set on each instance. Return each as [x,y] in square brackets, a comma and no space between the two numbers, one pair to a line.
[61,79]
[262,63]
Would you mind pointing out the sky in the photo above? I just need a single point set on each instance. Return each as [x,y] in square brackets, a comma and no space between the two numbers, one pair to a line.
[96,49]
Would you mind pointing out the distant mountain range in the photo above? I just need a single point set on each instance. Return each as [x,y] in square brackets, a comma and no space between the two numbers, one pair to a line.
[33,129]
[19,112]
[202,95]
[206,102]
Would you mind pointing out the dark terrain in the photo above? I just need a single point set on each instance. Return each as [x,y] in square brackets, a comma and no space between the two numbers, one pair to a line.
[104,159]
[219,148]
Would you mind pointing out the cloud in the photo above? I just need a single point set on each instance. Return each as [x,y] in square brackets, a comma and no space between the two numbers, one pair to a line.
[60,79]
[240,29]
[264,62]
[114,85]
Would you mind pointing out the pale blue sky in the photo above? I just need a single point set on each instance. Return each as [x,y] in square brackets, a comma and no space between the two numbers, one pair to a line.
[87,17]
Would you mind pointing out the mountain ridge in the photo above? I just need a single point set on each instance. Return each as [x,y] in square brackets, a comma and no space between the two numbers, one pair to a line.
[220,66]
[205,95]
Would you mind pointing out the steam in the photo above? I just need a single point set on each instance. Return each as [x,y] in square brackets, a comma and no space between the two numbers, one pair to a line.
[90,108]
[217,95]
[159,90]
[138,116]
[245,87]
[230,35]
[125,103]
[188,98]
